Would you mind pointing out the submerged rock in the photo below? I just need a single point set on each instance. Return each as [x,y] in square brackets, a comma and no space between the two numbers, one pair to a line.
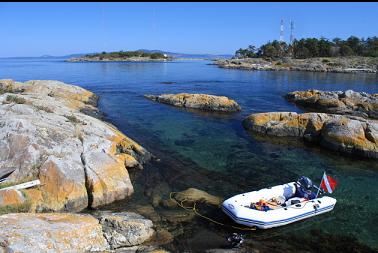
[125,228]
[197,101]
[195,195]
[352,135]
[51,232]
[338,102]
[80,160]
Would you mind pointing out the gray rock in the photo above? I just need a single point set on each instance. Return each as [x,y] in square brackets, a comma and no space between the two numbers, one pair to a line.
[50,232]
[125,228]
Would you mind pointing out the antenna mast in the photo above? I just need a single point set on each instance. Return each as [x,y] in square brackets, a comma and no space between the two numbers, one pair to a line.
[282,31]
[291,31]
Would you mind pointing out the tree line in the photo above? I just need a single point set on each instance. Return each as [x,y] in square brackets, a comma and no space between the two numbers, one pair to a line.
[313,47]
[127,54]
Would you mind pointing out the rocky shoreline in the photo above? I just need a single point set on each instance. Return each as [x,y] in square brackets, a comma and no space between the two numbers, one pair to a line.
[48,133]
[197,101]
[335,64]
[80,160]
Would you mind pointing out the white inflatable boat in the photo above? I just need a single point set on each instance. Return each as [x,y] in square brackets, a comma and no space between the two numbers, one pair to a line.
[285,209]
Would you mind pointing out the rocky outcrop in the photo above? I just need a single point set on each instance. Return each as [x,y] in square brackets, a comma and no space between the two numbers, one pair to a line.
[353,64]
[125,229]
[80,160]
[198,101]
[338,102]
[347,134]
[52,232]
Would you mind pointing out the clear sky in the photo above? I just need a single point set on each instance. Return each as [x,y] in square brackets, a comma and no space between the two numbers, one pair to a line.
[34,29]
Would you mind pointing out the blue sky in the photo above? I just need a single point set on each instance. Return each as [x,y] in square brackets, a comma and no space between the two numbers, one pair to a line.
[34,29]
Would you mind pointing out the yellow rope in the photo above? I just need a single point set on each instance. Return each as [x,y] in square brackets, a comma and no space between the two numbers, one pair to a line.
[195,211]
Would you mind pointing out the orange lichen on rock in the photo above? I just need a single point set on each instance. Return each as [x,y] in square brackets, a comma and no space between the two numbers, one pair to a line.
[348,135]
[80,160]
[11,197]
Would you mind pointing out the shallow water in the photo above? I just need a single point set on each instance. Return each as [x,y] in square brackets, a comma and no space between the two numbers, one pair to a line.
[212,152]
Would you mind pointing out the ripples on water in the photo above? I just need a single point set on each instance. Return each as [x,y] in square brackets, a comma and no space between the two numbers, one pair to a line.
[212,152]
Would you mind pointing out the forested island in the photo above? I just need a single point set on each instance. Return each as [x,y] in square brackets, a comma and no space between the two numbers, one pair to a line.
[138,55]
[309,54]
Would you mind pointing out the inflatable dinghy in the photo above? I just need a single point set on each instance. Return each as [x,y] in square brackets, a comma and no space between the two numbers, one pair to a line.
[275,206]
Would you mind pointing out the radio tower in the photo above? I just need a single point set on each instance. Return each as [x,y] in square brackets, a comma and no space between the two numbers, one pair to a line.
[282,31]
[291,31]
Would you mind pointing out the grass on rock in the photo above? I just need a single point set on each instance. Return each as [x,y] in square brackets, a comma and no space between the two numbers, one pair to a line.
[15,99]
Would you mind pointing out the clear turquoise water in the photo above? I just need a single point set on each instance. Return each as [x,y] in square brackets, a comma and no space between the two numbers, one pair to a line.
[212,151]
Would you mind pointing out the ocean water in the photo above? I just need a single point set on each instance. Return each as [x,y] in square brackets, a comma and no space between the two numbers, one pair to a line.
[212,151]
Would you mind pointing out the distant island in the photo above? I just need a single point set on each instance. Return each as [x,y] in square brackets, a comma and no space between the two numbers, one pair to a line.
[135,56]
[309,54]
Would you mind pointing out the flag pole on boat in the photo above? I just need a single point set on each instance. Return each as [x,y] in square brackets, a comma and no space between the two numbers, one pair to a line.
[320,185]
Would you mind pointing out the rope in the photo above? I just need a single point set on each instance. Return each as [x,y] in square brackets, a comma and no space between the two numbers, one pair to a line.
[196,212]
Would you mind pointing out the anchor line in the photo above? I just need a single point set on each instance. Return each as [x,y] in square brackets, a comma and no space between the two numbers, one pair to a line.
[196,212]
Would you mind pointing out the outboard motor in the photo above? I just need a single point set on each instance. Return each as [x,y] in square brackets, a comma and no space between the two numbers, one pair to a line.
[304,186]
[305,183]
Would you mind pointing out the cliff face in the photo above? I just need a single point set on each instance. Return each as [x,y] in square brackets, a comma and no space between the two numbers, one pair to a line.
[80,160]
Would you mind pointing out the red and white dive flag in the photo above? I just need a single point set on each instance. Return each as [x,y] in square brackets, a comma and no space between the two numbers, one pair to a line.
[328,183]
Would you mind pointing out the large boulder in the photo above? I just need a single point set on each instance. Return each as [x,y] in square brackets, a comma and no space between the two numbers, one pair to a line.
[80,160]
[352,135]
[51,232]
[198,101]
[125,229]
[338,102]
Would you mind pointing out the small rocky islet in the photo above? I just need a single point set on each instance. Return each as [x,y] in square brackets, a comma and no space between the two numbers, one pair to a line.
[351,135]
[349,126]
[337,102]
[203,102]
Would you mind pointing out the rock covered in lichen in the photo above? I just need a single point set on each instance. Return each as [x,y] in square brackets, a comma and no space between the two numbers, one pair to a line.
[51,232]
[338,102]
[198,101]
[80,160]
[352,135]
